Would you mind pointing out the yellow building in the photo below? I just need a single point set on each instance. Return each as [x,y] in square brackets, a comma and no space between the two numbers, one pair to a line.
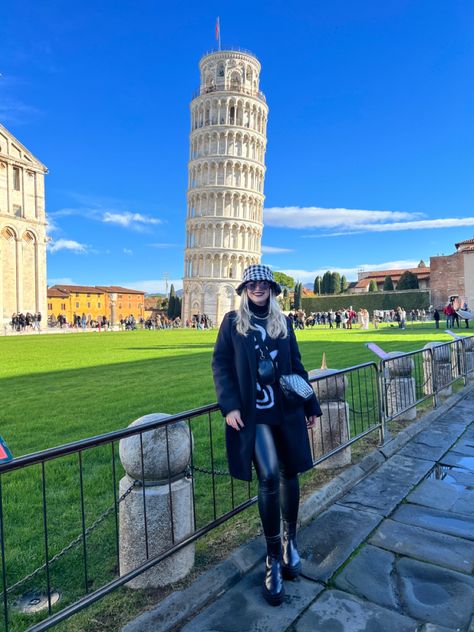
[94,302]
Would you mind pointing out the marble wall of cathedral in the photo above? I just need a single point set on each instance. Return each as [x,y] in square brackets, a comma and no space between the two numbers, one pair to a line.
[22,230]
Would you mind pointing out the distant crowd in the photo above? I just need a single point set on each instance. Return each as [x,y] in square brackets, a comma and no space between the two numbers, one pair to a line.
[26,322]
[345,318]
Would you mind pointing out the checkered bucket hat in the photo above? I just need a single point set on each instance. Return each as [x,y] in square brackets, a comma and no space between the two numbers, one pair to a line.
[257,272]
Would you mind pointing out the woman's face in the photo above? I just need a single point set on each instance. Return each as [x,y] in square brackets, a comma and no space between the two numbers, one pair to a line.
[258,291]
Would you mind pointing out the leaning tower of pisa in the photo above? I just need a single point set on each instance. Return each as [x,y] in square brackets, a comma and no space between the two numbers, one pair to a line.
[225,187]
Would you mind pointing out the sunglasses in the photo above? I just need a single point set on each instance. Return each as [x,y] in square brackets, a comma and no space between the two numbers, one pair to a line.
[252,285]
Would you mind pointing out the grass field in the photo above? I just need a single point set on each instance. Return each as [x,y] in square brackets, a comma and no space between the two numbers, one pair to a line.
[59,388]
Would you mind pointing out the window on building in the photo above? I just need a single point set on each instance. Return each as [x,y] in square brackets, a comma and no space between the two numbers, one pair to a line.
[63,306]
[77,303]
[120,305]
[119,296]
[88,305]
[88,295]
[50,306]
[16,178]
[129,297]
[129,306]
[98,305]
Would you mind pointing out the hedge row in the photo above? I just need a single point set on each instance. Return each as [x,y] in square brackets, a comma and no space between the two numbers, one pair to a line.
[409,299]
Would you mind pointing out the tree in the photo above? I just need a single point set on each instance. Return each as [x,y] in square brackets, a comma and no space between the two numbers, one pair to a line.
[297,295]
[408,281]
[285,299]
[388,284]
[373,286]
[172,303]
[344,284]
[284,280]
[317,285]
[326,283]
[335,283]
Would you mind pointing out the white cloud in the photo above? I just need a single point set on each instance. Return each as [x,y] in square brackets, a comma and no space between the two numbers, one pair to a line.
[135,221]
[68,244]
[352,221]
[127,251]
[152,286]
[274,250]
[316,217]
[307,276]
[452,222]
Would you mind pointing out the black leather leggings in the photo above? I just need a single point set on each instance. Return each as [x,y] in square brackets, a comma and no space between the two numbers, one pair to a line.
[276,490]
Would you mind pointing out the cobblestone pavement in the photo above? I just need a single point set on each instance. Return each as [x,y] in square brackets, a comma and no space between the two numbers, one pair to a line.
[396,553]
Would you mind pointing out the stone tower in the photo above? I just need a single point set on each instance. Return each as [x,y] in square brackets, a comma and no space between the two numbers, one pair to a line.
[22,230]
[225,186]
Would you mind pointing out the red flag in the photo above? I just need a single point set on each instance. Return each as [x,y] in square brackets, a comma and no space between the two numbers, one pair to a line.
[218,29]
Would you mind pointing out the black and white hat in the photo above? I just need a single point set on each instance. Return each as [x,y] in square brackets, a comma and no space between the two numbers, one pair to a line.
[258,272]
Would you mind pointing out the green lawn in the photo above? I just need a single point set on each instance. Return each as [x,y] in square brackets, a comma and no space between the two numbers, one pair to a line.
[59,388]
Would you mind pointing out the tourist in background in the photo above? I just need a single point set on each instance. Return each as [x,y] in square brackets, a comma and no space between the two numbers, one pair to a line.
[262,427]
[436,318]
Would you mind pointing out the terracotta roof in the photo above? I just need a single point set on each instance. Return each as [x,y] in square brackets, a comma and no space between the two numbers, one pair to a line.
[82,289]
[466,242]
[363,282]
[421,273]
[54,292]
[119,289]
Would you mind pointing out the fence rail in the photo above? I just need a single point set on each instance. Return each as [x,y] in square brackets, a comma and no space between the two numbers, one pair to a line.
[61,508]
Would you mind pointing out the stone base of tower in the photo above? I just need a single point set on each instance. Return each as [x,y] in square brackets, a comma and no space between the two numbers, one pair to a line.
[209,296]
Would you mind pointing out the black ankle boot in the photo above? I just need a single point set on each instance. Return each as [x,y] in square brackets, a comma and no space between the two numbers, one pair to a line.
[273,589]
[291,562]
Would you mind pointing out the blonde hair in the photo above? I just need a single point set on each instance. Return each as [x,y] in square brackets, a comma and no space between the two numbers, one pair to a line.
[276,323]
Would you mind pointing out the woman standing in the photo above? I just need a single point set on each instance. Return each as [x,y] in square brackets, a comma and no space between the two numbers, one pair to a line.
[255,346]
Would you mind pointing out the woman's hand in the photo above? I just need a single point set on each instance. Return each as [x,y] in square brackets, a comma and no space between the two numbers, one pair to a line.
[234,420]
[311,421]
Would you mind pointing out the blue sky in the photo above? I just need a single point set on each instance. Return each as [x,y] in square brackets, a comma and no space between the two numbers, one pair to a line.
[371,113]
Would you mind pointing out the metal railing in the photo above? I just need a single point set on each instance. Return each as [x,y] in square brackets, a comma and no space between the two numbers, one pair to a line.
[228,90]
[59,508]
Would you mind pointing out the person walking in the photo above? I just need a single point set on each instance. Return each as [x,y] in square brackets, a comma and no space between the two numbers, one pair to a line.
[256,344]
[436,318]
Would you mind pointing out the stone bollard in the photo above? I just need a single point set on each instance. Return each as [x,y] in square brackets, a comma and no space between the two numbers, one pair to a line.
[332,429]
[399,386]
[442,369]
[168,506]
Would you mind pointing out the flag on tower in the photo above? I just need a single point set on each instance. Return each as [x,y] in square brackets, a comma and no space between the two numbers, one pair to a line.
[218,32]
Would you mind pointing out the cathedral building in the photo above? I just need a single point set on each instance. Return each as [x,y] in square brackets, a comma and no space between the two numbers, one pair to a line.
[225,186]
[22,230]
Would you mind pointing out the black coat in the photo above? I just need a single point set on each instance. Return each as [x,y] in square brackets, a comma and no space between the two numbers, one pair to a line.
[234,366]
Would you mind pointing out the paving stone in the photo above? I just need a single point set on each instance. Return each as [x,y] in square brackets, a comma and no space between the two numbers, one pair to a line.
[413,588]
[435,520]
[429,444]
[458,460]
[332,538]
[388,486]
[336,611]
[422,544]
[444,495]
[244,608]
[368,576]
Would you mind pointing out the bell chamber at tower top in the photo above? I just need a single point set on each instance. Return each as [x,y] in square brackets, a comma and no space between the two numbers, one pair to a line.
[230,71]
